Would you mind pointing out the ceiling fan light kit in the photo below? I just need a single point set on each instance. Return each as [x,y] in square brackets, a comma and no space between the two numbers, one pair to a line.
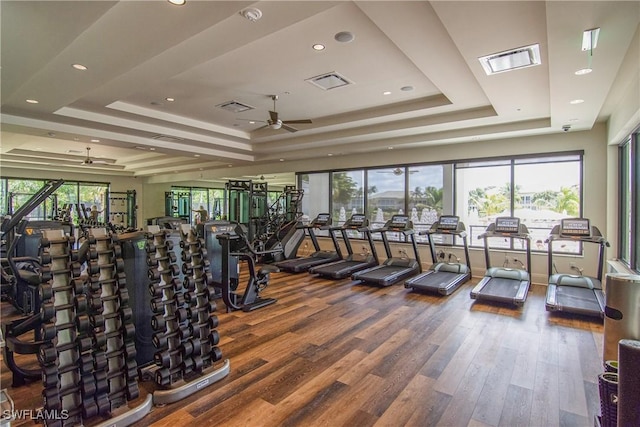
[275,123]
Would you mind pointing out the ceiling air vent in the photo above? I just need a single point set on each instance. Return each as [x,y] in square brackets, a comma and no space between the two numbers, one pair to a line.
[330,80]
[167,138]
[235,106]
[509,60]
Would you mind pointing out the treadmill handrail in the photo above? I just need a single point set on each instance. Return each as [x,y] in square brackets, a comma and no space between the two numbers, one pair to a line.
[522,234]
[596,237]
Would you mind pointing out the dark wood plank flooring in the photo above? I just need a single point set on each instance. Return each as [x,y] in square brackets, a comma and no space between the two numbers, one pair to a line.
[335,353]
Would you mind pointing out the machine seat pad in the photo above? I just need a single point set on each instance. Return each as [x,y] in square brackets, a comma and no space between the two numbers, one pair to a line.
[573,280]
[507,273]
[451,268]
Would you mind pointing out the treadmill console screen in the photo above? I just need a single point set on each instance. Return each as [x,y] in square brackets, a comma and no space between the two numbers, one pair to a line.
[399,222]
[448,222]
[575,227]
[357,220]
[322,219]
[507,224]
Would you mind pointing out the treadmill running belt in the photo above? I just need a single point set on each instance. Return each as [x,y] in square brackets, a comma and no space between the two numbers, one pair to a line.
[581,299]
[381,273]
[501,288]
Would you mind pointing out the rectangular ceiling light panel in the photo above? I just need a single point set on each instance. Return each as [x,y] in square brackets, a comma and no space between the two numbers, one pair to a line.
[329,81]
[235,106]
[514,59]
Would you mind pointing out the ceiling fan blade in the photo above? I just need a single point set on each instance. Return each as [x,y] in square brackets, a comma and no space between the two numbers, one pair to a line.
[297,121]
[251,120]
[261,127]
[289,128]
[274,116]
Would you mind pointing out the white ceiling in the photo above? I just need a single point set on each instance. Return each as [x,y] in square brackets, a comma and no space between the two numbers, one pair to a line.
[205,53]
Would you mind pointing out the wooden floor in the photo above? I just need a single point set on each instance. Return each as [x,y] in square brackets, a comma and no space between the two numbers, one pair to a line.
[336,353]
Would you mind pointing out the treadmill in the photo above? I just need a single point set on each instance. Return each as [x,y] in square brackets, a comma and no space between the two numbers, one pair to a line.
[576,293]
[393,269]
[502,284]
[302,264]
[353,262]
[443,277]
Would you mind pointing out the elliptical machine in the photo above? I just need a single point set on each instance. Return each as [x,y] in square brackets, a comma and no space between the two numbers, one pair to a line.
[235,246]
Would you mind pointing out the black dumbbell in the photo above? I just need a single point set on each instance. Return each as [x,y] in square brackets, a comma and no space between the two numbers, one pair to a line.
[127,332]
[191,347]
[198,362]
[156,289]
[159,321]
[96,285]
[201,312]
[125,314]
[165,376]
[121,297]
[154,261]
[155,274]
[191,297]
[49,331]
[212,322]
[127,350]
[51,374]
[46,291]
[160,340]
[168,358]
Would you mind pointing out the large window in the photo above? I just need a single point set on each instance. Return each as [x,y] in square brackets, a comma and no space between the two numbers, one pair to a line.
[71,195]
[629,180]
[347,194]
[540,191]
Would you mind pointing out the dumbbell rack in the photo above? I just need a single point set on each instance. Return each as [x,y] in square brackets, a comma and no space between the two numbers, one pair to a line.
[85,365]
[184,334]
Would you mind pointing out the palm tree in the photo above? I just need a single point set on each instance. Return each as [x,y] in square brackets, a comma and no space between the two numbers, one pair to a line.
[433,198]
[476,198]
[568,200]
[545,199]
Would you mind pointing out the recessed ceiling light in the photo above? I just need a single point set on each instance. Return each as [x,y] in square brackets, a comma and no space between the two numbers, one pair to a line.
[386,93]
[406,88]
[330,154]
[251,13]
[177,2]
[79,67]
[318,46]
[196,155]
[152,149]
[583,71]
[389,148]
[32,101]
[282,160]
[251,122]
[344,37]
[95,140]
[229,166]
[576,101]
[170,99]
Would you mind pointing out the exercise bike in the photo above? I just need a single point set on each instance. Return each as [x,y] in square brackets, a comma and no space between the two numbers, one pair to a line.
[235,247]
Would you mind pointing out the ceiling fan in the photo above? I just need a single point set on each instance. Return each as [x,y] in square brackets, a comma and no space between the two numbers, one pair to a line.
[274,122]
[89,161]
[398,171]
